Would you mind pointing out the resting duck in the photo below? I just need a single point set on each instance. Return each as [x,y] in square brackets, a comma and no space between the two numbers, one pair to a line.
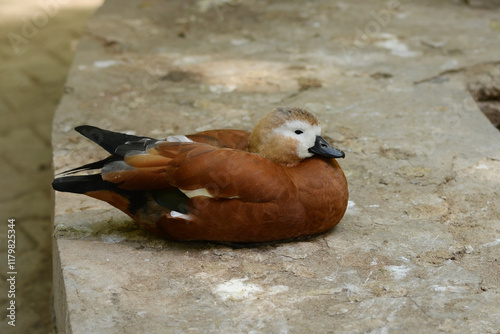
[279,182]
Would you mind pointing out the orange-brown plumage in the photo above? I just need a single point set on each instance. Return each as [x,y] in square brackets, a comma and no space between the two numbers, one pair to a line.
[278,182]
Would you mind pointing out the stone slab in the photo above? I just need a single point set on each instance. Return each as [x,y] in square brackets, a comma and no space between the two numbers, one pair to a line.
[418,250]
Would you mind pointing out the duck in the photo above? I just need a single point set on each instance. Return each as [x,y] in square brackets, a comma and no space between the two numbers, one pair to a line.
[279,182]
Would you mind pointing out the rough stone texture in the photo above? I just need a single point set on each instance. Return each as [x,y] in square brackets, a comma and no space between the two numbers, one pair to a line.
[484,85]
[32,76]
[418,250]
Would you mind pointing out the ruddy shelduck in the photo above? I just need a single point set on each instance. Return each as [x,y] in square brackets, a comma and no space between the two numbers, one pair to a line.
[279,182]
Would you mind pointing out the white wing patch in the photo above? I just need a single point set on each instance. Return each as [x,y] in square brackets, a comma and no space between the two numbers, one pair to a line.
[178,139]
[196,192]
[202,192]
[175,214]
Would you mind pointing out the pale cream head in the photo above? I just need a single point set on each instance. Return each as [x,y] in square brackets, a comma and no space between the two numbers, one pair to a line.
[285,135]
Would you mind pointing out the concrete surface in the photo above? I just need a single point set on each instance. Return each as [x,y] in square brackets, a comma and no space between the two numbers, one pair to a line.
[418,250]
[32,76]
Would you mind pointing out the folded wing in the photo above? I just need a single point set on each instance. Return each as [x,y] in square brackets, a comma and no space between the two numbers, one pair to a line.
[218,172]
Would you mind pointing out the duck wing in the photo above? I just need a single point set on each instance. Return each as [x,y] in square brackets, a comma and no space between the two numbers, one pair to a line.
[218,172]
[226,138]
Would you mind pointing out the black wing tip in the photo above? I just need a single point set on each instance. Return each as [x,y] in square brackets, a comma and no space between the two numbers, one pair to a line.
[81,184]
[91,185]
[90,166]
[108,140]
[83,127]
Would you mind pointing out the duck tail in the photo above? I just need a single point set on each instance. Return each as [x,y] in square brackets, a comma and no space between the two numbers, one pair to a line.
[128,201]
[108,140]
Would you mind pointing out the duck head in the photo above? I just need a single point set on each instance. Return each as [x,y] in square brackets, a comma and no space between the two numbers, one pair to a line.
[290,135]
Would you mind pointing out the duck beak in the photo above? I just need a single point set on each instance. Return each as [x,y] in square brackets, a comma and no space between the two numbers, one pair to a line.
[321,147]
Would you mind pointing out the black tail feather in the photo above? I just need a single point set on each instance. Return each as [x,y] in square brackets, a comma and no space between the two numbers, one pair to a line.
[93,165]
[82,184]
[115,143]
[108,140]
[93,185]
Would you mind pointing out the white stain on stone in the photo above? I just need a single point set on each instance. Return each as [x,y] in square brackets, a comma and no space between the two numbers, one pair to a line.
[219,89]
[278,289]
[236,288]
[351,207]
[491,244]
[112,238]
[105,63]
[456,289]
[239,41]
[368,277]
[205,5]
[397,48]
[352,289]
[398,272]
[468,249]
[481,166]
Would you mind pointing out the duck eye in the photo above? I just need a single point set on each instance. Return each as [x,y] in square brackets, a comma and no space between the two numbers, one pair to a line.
[298,132]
